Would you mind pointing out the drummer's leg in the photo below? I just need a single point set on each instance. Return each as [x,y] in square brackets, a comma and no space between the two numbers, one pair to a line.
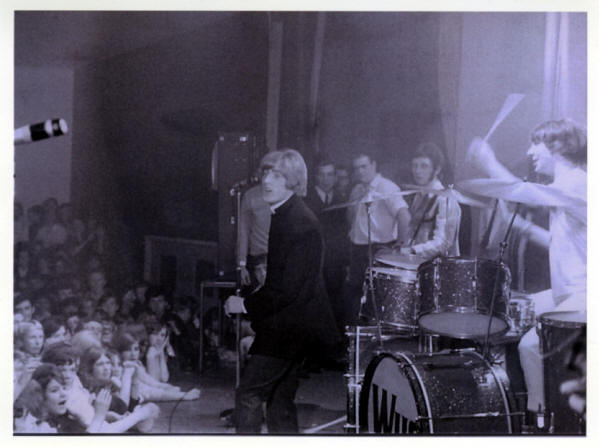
[575,302]
[529,350]
[531,362]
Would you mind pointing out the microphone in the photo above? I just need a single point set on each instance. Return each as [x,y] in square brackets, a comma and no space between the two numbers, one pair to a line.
[240,184]
[40,131]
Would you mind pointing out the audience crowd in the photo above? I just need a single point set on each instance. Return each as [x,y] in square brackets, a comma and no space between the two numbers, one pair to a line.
[93,347]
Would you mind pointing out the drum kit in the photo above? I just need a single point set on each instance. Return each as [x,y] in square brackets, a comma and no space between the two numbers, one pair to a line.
[400,382]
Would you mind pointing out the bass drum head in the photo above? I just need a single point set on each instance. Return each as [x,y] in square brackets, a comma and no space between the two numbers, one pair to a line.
[387,401]
[450,392]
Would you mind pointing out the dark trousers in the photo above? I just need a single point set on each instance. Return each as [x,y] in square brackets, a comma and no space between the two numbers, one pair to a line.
[357,269]
[271,380]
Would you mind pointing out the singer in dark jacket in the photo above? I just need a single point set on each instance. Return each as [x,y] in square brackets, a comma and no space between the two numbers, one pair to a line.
[290,314]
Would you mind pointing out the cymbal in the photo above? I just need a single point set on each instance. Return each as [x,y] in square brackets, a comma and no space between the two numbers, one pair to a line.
[528,193]
[450,192]
[373,199]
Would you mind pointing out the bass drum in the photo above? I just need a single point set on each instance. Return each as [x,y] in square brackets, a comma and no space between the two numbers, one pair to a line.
[450,392]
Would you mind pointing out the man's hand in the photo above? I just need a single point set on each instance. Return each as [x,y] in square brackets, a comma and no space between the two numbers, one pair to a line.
[234,305]
[480,155]
[245,276]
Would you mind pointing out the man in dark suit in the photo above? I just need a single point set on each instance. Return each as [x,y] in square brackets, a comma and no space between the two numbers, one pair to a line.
[335,228]
[290,314]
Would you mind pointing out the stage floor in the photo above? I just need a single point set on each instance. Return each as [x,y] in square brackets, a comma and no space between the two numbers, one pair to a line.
[321,398]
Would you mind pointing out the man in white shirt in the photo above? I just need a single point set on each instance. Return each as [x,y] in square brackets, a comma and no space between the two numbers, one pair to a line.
[389,223]
[558,150]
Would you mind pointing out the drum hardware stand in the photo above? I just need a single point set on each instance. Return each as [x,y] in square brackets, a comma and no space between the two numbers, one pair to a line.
[370,278]
[354,386]
[502,247]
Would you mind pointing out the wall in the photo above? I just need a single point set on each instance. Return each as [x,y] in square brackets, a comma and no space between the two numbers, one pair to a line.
[43,168]
[379,87]
[150,119]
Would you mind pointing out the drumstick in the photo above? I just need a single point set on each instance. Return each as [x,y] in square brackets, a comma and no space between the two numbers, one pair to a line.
[510,103]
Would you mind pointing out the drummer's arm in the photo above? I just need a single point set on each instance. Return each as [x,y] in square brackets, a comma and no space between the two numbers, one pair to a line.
[481,155]
[535,233]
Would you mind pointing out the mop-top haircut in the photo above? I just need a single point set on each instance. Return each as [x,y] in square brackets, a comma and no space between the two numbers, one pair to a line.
[291,165]
[564,137]
[431,151]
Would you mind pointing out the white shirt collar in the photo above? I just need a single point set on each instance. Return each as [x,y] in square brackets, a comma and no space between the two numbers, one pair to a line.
[278,204]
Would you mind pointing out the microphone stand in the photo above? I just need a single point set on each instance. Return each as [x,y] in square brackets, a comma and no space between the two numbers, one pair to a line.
[502,247]
[236,190]
[370,278]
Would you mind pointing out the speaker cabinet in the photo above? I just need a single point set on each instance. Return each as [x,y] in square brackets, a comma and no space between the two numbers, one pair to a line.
[233,161]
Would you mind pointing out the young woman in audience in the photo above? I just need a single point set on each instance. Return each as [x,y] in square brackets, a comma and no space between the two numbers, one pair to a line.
[144,386]
[45,398]
[157,352]
[96,375]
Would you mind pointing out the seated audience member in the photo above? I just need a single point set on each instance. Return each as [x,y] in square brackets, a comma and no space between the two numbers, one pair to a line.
[96,283]
[29,339]
[95,327]
[156,355]
[144,386]
[73,323]
[85,338]
[96,375]
[34,218]
[108,330]
[157,305]
[87,308]
[22,265]
[109,304]
[19,224]
[44,399]
[184,333]
[23,368]
[52,233]
[24,306]
[55,330]
[43,307]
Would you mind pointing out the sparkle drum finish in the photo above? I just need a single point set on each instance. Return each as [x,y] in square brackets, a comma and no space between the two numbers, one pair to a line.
[563,336]
[521,313]
[456,296]
[449,392]
[395,285]
[363,346]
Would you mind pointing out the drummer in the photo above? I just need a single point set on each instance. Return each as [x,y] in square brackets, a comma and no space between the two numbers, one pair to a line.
[558,150]
[435,222]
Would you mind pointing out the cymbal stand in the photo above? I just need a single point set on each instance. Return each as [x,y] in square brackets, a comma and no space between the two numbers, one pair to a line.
[371,279]
[502,246]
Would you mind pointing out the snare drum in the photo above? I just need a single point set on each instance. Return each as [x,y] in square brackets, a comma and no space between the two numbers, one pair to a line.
[561,333]
[456,295]
[450,392]
[394,279]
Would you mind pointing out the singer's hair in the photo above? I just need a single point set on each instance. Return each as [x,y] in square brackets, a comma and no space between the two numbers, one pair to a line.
[291,164]
[431,151]
[564,137]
